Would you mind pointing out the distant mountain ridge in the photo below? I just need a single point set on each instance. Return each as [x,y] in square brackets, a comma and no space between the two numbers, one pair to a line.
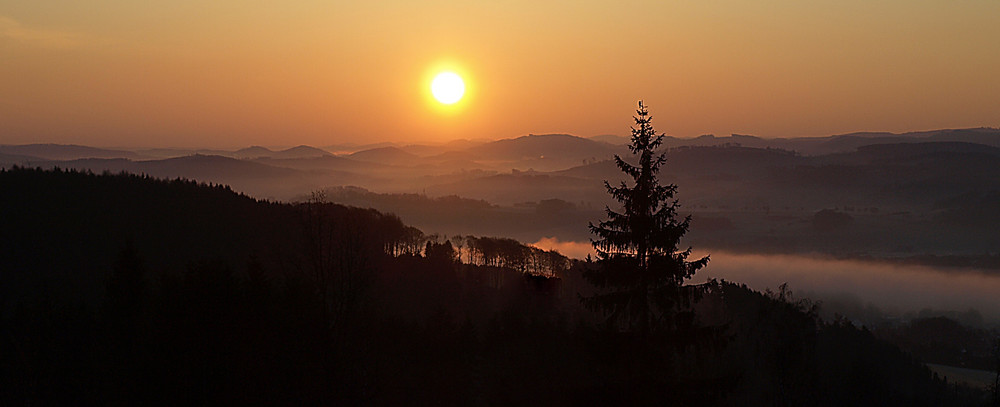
[541,145]
[843,143]
[751,186]
[528,147]
[544,164]
[209,168]
[925,148]
[253,152]
[64,152]
[385,155]
[302,151]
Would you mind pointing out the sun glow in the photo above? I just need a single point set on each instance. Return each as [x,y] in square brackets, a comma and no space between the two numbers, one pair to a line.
[448,87]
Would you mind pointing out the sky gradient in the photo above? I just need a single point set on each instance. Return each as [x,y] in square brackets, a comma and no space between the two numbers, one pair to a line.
[231,73]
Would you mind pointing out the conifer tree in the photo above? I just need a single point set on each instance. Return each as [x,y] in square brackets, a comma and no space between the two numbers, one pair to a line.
[641,270]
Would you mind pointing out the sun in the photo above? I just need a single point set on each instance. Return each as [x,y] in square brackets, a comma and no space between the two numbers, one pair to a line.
[448,87]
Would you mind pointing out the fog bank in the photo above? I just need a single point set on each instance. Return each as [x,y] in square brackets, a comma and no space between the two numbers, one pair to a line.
[895,289]
[849,287]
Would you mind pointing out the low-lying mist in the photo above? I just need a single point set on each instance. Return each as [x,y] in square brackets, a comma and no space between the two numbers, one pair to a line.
[849,287]
[859,290]
[571,249]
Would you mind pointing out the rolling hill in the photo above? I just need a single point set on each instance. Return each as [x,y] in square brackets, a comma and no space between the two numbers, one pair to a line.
[65,152]
[386,155]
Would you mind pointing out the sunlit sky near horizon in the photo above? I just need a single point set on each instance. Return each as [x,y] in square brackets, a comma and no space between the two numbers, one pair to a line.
[236,73]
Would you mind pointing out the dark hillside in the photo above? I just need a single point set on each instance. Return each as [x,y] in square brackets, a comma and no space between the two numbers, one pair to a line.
[127,290]
[67,227]
[210,167]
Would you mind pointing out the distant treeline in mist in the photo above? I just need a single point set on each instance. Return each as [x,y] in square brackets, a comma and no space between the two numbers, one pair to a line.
[127,290]
[455,215]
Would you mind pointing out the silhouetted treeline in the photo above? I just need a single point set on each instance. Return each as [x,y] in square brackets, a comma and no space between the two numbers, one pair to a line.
[782,354]
[946,341]
[511,254]
[125,290]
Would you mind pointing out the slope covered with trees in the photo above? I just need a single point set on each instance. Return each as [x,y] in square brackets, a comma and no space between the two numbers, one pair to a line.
[126,290]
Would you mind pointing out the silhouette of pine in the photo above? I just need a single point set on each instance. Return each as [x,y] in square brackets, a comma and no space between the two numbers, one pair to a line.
[641,271]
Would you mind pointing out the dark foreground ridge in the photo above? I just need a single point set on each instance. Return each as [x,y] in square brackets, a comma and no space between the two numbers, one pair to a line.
[127,290]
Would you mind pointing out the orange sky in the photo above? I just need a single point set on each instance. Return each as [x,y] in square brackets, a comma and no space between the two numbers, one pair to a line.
[233,73]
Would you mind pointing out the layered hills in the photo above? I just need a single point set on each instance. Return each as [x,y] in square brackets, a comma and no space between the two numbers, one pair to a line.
[905,193]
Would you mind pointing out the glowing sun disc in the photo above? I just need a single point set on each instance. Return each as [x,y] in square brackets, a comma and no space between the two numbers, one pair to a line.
[447,87]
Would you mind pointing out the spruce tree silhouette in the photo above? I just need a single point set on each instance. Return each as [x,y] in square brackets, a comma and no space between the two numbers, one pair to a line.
[641,271]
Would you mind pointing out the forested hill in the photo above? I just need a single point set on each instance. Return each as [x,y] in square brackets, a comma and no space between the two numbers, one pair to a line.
[126,290]
[71,226]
